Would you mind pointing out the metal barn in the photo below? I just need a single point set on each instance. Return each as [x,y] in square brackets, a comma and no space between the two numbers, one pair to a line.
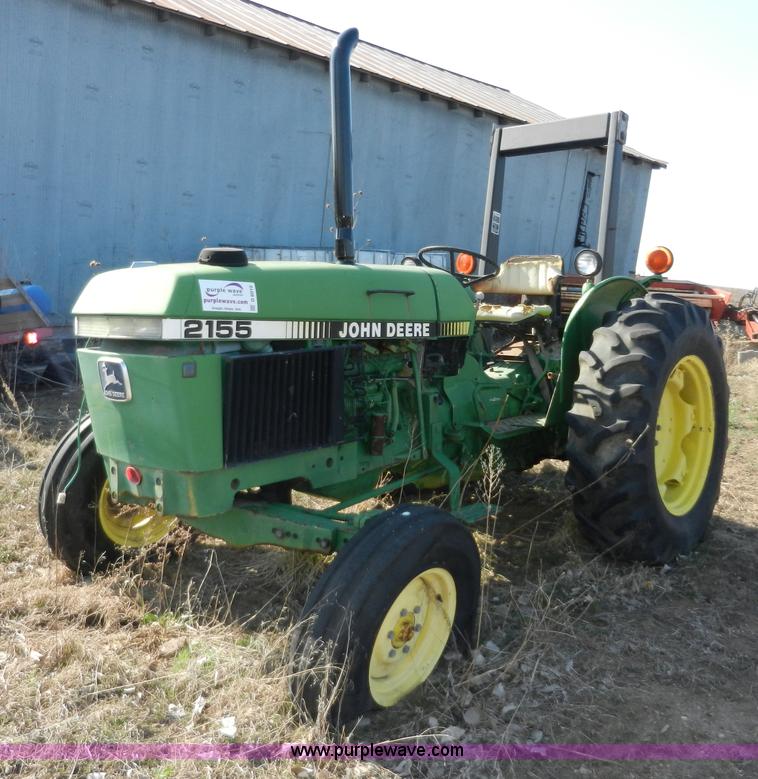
[145,129]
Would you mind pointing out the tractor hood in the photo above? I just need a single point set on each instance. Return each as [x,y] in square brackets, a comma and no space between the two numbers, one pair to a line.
[274,292]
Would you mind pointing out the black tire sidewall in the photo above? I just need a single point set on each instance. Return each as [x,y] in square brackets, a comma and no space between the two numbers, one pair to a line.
[612,428]
[439,553]
[72,528]
[691,526]
[349,603]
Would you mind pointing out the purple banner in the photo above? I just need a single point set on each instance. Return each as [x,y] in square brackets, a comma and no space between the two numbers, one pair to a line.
[379,751]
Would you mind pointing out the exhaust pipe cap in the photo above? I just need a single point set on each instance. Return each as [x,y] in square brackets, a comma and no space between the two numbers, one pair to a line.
[226,256]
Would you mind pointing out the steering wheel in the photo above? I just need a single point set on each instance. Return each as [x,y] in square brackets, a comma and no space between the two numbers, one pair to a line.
[465,265]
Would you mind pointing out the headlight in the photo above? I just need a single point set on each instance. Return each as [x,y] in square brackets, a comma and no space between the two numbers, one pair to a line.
[143,327]
[588,262]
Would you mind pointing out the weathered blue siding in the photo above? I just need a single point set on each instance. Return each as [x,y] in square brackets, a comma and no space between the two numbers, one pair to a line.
[122,137]
[543,197]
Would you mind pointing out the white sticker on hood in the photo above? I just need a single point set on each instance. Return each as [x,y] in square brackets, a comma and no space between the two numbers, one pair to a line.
[220,295]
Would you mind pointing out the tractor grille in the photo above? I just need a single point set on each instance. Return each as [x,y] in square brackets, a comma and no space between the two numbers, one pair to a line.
[282,402]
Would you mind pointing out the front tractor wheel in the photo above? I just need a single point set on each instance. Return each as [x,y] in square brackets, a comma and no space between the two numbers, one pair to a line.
[648,430]
[377,622]
[89,531]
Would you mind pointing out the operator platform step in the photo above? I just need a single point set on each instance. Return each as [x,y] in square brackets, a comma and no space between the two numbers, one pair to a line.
[513,424]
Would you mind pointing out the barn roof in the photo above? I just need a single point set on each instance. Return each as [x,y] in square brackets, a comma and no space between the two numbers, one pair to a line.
[261,22]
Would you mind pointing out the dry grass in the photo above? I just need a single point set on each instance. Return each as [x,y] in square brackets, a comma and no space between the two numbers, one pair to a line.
[572,646]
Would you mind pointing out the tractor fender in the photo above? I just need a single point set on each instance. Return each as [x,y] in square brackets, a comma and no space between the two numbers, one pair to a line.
[586,316]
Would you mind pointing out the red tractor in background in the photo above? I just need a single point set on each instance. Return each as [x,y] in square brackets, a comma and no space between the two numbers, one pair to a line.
[716,301]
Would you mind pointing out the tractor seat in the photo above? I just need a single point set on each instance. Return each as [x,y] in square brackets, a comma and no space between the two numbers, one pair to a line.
[524,275]
[510,314]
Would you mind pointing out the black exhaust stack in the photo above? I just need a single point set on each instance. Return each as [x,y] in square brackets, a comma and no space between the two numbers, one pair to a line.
[342,145]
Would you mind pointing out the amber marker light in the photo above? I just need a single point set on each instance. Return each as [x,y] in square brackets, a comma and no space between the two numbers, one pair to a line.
[464,264]
[659,260]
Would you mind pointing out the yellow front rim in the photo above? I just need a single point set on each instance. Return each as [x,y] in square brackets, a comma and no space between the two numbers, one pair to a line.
[129,524]
[412,636]
[685,432]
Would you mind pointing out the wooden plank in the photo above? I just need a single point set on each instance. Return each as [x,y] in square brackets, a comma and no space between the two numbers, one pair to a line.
[11,300]
[37,310]
[19,320]
[30,319]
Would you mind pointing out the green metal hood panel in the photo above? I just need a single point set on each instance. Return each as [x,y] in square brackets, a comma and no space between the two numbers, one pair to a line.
[284,291]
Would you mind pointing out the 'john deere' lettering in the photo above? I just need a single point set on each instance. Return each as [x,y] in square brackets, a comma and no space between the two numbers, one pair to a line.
[382,330]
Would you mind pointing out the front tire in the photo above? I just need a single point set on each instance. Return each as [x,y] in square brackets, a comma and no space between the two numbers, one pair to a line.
[648,430]
[377,622]
[89,532]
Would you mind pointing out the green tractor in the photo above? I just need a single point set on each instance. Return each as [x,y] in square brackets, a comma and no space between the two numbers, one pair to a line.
[215,388]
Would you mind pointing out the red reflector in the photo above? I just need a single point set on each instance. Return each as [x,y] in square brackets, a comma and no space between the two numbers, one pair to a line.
[31,338]
[133,475]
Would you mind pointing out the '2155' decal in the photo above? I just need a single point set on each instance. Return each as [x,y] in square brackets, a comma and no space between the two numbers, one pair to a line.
[217,328]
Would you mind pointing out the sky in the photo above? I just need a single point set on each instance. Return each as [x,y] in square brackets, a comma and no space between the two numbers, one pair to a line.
[686,72]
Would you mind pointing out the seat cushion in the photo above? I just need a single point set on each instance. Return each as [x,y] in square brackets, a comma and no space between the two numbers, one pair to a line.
[524,275]
[510,314]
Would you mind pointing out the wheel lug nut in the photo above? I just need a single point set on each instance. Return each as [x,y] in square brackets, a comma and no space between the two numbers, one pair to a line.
[403,612]
[392,652]
[406,649]
[417,628]
[391,635]
[417,609]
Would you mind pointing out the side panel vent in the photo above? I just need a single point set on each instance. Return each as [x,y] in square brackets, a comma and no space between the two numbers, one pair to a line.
[283,402]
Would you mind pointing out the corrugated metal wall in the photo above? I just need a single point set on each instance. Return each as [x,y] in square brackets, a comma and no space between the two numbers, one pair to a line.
[123,138]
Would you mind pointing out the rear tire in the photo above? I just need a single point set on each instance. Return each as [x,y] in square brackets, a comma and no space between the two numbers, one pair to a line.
[377,622]
[648,430]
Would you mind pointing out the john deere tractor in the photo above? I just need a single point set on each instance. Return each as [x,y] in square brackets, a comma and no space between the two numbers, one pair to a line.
[215,388]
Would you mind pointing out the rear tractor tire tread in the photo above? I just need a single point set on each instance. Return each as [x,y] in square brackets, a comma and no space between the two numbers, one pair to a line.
[612,428]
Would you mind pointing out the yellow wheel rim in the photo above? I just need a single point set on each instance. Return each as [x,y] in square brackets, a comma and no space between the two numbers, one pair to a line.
[129,524]
[685,432]
[412,636]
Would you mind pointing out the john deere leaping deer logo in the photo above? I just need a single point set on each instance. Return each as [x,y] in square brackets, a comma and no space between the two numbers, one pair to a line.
[114,379]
